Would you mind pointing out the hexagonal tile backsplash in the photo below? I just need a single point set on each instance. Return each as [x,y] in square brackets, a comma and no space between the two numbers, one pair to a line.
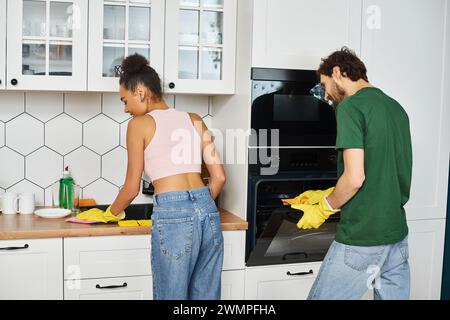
[41,132]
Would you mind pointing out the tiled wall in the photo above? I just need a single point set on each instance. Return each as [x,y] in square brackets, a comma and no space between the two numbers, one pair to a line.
[41,132]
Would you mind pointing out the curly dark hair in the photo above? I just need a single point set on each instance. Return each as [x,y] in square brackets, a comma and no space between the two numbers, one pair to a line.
[349,63]
[135,69]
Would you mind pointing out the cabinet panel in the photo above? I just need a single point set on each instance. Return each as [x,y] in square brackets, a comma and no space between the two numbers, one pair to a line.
[234,250]
[118,29]
[31,269]
[426,249]
[127,288]
[403,47]
[296,34]
[274,282]
[233,285]
[2,43]
[47,45]
[200,47]
[104,257]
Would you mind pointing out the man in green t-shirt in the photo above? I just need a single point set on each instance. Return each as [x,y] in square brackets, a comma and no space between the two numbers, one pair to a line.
[374,169]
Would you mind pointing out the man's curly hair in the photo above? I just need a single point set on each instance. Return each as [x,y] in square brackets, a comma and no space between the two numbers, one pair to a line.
[349,63]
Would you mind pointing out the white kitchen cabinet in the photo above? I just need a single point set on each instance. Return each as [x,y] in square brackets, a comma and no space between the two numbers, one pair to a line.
[283,282]
[200,46]
[296,34]
[47,45]
[426,250]
[233,285]
[2,43]
[31,269]
[106,257]
[141,288]
[125,288]
[234,250]
[120,28]
[403,44]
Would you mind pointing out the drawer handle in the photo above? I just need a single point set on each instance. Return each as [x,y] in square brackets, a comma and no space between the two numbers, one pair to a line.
[112,287]
[300,273]
[15,248]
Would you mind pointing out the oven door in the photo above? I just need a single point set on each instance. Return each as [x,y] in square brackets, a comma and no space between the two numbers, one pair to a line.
[273,236]
[282,242]
[288,106]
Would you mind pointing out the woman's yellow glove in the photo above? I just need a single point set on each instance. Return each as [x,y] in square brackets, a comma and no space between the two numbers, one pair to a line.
[314,215]
[308,197]
[100,215]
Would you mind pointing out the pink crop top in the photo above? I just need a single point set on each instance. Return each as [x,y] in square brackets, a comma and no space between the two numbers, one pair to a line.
[175,147]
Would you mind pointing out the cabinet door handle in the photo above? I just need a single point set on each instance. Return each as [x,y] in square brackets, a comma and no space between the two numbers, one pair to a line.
[172,85]
[124,285]
[14,82]
[16,248]
[300,273]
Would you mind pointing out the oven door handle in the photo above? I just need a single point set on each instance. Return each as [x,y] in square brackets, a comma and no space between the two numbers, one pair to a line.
[286,255]
[300,273]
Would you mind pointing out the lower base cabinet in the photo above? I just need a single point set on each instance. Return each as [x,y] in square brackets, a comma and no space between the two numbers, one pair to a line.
[426,251]
[233,285]
[284,282]
[126,288]
[31,269]
[141,288]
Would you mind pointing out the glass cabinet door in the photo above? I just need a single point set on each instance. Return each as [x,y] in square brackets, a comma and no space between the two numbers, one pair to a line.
[117,29]
[2,43]
[43,42]
[200,46]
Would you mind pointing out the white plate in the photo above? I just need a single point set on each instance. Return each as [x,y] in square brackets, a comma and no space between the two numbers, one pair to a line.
[53,213]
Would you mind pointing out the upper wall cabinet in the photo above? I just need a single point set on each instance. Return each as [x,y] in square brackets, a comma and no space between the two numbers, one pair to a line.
[200,46]
[46,44]
[296,34]
[2,43]
[119,28]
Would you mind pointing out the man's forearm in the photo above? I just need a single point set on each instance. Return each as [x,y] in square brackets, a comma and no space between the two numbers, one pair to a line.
[345,190]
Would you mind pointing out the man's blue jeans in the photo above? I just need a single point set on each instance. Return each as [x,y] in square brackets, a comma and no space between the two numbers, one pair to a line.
[187,246]
[347,272]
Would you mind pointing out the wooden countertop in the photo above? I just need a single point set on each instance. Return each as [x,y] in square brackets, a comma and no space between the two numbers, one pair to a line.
[19,226]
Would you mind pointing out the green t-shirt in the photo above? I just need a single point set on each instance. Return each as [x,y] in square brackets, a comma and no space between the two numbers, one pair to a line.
[373,121]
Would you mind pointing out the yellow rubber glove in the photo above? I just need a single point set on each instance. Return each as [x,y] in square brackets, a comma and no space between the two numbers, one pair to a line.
[135,223]
[314,215]
[100,215]
[308,197]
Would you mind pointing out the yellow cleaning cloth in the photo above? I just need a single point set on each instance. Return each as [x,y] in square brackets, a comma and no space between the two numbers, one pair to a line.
[135,223]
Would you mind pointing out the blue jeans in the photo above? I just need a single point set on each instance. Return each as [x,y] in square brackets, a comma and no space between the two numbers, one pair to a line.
[187,246]
[347,272]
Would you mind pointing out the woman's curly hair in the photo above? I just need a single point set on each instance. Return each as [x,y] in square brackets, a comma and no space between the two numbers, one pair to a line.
[135,69]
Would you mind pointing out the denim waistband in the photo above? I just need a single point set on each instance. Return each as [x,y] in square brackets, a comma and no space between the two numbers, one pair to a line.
[180,195]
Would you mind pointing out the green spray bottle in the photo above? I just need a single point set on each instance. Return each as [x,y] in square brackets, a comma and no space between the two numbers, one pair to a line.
[66,187]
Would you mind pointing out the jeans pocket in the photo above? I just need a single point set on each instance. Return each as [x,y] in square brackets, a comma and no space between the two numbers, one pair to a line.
[361,258]
[214,220]
[404,250]
[175,236]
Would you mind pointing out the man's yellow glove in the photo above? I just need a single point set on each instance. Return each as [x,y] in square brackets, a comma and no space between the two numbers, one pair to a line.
[308,197]
[314,215]
[100,215]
